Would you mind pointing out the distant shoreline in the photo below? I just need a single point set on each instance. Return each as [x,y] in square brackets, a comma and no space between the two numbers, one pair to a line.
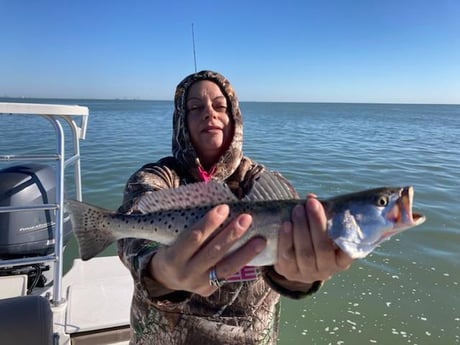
[31,99]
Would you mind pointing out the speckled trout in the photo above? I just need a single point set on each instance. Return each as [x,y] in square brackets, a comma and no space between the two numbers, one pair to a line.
[356,222]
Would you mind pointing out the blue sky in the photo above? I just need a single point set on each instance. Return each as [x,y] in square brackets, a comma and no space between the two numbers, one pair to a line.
[309,51]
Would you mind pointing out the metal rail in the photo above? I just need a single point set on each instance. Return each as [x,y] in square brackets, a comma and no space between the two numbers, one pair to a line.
[55,114]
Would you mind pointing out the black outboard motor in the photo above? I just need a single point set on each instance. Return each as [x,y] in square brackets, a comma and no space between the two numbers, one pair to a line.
[28,233]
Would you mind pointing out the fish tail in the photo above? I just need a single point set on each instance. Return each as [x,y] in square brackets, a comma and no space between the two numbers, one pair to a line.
[89,227]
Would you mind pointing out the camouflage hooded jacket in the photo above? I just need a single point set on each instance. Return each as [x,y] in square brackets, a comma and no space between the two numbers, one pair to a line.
[238,313]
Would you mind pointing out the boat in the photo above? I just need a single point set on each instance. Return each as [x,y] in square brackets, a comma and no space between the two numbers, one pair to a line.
[39,303]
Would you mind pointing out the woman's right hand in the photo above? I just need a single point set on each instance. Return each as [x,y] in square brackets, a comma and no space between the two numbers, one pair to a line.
[185,265]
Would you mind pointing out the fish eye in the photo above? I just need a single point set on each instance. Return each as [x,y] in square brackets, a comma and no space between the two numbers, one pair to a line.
[382,201]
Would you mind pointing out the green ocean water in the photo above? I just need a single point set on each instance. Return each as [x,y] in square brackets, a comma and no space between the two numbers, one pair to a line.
[406,292]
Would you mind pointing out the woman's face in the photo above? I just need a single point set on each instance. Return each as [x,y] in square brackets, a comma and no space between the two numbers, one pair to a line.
[208,121]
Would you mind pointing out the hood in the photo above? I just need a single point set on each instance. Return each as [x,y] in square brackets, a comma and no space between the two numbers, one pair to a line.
[182,147]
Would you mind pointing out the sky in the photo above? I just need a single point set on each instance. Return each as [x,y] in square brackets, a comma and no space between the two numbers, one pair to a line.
[388,51]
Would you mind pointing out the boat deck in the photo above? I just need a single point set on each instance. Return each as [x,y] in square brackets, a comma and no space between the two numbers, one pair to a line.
[98,298]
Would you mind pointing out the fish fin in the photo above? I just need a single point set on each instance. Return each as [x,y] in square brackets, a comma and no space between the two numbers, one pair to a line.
[270,186]
[186,196]
[92,236]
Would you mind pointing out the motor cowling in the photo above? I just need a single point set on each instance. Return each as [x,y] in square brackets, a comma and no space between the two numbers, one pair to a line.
[29,233]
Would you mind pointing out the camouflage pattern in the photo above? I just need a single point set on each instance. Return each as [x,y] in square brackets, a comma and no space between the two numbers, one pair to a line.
[238,313]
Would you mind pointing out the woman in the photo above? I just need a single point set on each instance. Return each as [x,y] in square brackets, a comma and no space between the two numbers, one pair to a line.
[189,293]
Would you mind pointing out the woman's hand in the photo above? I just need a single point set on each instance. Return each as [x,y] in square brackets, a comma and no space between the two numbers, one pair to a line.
[185,265]
[305,252]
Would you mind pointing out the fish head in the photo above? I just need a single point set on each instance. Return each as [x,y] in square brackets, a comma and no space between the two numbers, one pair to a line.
[359,222]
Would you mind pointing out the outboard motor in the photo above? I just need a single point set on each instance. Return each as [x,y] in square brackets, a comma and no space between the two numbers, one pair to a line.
[29,233]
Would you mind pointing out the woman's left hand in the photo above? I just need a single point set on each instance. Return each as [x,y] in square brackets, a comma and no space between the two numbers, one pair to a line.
[305,252]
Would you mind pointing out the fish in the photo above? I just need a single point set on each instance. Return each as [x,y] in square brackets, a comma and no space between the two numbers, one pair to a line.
[356,222]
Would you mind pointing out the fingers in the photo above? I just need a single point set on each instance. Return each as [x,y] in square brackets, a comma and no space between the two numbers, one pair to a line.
[234,262]
[216,249]
[172,266]
[286,251]
[190,242]
[215,252]
[286,263]
[186,264]
[213,255]
[322,244]
[330,256]
[343,260]
[305,251]
[303,240]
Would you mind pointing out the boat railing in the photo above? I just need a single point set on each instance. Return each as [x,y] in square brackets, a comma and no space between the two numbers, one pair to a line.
[76,117]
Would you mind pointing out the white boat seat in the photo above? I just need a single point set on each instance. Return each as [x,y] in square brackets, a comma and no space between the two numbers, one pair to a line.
[26,320]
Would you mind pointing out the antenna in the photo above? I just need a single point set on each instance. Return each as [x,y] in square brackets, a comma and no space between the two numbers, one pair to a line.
[194,52]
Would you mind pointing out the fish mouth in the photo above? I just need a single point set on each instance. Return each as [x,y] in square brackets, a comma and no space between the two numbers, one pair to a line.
[401,214]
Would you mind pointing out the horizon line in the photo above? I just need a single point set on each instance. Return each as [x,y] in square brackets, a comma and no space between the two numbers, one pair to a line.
[241,101]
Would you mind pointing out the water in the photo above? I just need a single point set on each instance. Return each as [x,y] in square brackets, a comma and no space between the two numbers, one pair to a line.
[407,291]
